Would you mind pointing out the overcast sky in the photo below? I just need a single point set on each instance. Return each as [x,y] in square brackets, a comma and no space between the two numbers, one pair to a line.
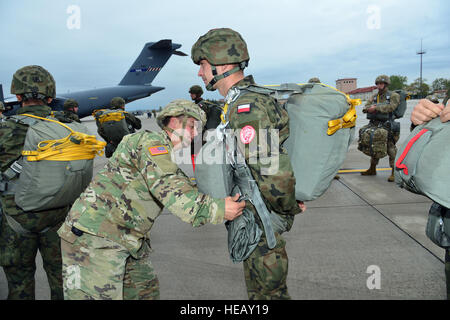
[288,40]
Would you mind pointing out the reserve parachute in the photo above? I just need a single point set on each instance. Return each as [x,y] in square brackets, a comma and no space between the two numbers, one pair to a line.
[423,161]
[56,164]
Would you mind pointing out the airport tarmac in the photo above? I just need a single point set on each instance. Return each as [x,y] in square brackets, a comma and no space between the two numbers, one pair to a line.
[359,225]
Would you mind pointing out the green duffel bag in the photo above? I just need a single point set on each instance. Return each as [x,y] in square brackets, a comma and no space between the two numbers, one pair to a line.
[422,164]
[438,225]
[373,140]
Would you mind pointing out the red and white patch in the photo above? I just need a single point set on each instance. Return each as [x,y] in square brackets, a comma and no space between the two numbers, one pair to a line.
[243,108]
[247,134]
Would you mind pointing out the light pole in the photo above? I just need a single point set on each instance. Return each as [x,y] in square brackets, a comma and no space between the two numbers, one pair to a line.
[421,53]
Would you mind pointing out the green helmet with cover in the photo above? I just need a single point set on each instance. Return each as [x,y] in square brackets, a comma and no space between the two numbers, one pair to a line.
[2,107]
[196,90]
[314,80]
[383,78]
[70,104]
[433,98]
[219,47]
[181,107]
[117,103]
[33,82]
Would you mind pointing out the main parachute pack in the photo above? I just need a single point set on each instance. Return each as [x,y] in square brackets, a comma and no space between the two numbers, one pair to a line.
[56,164]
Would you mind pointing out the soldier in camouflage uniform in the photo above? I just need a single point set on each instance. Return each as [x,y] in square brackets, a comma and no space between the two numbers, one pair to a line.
[104,239]
[383,102]
[34,87]
[423,112]
[70,108]
[133,123]
[212,112]
[2,109]
[222,55]
[69,113]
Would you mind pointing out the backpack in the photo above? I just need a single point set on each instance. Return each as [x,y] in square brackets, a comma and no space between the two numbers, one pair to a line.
[56,164]
[398,113]
[423,161]
[113,124]
[373,140]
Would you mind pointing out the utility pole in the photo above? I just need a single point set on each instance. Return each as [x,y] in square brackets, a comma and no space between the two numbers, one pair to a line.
[421,53]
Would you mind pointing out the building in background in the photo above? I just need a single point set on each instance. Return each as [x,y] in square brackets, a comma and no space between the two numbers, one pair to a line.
[363,93]
[346,85]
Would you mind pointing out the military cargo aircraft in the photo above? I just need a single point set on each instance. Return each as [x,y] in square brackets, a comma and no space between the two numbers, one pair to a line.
[136,84]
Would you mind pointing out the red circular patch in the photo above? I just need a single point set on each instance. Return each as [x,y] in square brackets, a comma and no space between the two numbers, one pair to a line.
[248,133]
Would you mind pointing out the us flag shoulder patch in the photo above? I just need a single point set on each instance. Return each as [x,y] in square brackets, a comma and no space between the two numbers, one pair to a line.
[243,108]
[157,150]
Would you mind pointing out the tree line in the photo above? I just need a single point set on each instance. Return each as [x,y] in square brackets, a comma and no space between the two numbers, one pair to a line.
[415,88]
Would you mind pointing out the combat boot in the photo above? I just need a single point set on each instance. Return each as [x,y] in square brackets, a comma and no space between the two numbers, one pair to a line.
[391,178]
[372,171]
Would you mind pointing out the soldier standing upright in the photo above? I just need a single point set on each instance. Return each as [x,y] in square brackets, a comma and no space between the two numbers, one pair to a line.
[104,239]
[113,131]
[70,108]
[2,109]
[379,109]
[22,233]
[222,55]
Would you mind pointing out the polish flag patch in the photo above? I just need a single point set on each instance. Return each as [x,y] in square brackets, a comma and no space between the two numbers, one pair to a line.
[243,108]
[247,134]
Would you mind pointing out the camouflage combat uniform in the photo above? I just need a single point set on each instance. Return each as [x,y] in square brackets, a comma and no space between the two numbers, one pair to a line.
[18,252]
[2,109]
[66,116]
[107,228]
[266,269]
[385,106]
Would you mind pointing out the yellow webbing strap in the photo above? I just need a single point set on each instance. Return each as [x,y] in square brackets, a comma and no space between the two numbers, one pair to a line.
[76,146]
[224,112]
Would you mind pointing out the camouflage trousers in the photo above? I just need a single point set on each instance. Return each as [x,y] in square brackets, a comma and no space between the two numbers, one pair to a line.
[96,268]
[447,272]
[18,258]
[266,271]
[391,149]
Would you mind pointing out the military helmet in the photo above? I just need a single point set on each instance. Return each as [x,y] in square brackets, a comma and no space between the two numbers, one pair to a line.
[33,82]
[219,47]
[433,98]
[181,107]
[383,78]
[196,90]
[70,104]
[2,107]
[117,103]
[314,80]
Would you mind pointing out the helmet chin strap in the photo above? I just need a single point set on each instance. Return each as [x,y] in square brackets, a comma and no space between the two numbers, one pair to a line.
[217,77]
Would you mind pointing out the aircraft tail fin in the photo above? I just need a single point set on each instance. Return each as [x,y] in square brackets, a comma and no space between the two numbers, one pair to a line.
[151,60]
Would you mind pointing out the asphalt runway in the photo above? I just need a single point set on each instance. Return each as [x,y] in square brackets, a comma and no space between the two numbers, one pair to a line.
[360,228]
